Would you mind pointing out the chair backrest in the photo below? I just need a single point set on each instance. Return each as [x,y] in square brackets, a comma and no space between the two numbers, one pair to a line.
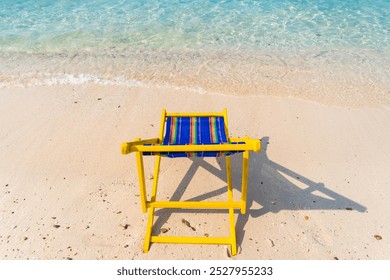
[194,130]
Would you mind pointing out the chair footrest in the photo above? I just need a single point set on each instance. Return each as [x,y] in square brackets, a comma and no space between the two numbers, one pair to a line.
[196,204]
[192,240]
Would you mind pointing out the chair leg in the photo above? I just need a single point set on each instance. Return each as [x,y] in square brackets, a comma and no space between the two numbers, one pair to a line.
[141,178]
[231,210]
[232,232]
[149,227]
[155,176]
[229,176]
[244,180]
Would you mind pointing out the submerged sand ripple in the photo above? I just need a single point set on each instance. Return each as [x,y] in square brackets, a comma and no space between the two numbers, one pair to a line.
[334,76]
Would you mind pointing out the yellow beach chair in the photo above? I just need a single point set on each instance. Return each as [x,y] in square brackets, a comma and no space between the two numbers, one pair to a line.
[192,135]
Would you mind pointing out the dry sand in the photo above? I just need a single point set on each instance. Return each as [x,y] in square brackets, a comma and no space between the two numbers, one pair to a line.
[319,189]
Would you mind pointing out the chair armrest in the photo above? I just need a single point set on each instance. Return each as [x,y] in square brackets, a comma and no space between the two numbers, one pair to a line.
[129,147]
[254,144]
[240,144]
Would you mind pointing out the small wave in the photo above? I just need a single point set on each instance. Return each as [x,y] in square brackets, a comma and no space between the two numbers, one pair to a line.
[71,79]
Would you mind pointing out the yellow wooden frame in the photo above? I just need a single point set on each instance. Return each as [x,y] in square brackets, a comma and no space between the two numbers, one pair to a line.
[138,146]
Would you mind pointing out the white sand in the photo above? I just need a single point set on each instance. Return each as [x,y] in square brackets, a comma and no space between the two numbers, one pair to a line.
[60,164]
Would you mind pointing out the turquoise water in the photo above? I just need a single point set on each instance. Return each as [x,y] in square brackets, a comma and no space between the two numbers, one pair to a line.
[50,25]
[194,43]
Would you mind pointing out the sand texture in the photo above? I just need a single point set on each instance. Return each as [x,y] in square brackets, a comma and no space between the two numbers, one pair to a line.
[319,188]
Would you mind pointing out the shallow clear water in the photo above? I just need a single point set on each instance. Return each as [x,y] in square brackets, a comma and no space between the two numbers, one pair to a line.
[211,44]
[47,25]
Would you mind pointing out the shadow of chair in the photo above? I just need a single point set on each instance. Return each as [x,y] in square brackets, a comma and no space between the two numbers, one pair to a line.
[271,185]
